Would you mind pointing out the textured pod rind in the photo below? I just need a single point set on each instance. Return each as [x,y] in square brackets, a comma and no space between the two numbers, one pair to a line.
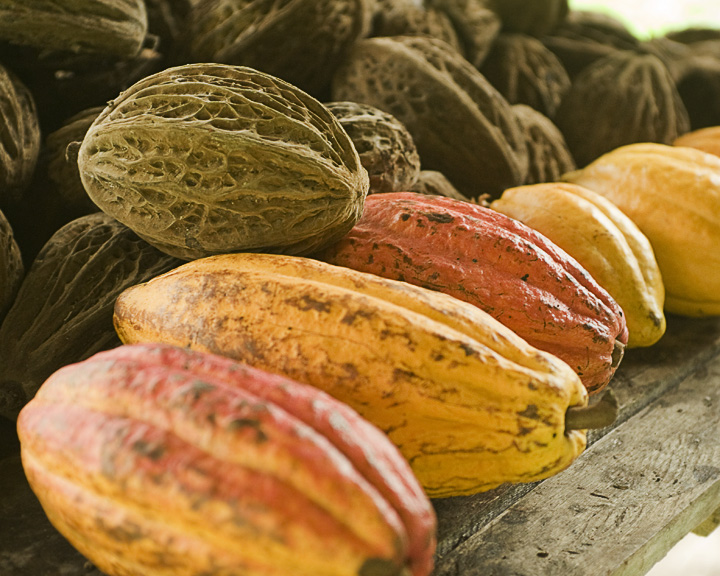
[672,194]
[115,28]
[534,17]
[12,269]
[468,402]
[386,148]
[203,159]
[300,41]
[137,452]
[19,137]
[462,126]
[604,241]
[499,265]
[63,309]
[621,99]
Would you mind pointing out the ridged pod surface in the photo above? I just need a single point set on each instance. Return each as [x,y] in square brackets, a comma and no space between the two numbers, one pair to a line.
[534,17]
[300,41]
[462,126]
[154,460]
[604,241]
[203,159]
[468,403]
[497,264]
[12,269]
[705,139]
[115,28]
[387,150]
[672,193]
[19,137]
[63,310]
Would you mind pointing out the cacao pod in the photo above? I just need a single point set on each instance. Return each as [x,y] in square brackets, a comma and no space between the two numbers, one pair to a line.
[495,263]
[63,310]
[435,183]
[604,241]
[535,17]
[12,269]
[705,139]
[154,459]
[672,194]
[210,158]
[468,402]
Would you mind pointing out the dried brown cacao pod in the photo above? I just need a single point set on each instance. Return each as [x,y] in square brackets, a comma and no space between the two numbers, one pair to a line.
[19,138]
[300,41]
[698,83]
[585,36]
[412,18]
[535,17]
[435,183]
[525,71]
[476,25]
[63,310]
[114,28]
[167,20]
[548,152]
[462,126]
[693,34]
[621,99]
[386,148]
[11,266]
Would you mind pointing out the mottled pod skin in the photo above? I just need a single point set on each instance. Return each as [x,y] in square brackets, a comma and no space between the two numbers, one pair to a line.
[114,28]
[156,460]
[12,269]
[203,159]
[497,264]
[672,194]
[468,403]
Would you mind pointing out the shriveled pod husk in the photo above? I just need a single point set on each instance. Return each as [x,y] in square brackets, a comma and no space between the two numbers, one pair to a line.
[300,41]
[692,34]
[548,153]
[62,168]
[204,159]
[476,25]
[412,18]
[621,99]
[167,20]
[462,126]
[585,36]
[525,71]
[63,310]
[698,83]
[435,183]
[11,266]
[387,150]
[113,28]
[535,17]
[19,138]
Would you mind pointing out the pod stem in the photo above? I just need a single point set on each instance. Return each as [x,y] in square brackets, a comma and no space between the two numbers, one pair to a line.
[599,415]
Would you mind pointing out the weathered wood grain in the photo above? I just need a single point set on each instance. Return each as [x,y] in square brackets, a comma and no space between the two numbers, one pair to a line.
[626,501]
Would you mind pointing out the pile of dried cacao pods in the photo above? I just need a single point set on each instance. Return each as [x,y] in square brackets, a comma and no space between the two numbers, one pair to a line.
[349,255]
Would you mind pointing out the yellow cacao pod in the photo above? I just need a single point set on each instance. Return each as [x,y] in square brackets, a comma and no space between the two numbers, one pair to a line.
[605,241]
[468,402]
[672,193]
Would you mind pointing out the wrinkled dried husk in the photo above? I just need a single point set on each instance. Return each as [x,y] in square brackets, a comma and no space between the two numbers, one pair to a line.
[19,138]
[698,83]
[300,41]
[549,155]
[526,72]
[622,99]
[166,22]
[534,17]
[63,310]
[206,159]
[413,18]
[475,23]
[62,167]
[387,150]
[112,28]
[693,34]
[435,183]
[11,266]
[586,36]
[461,125]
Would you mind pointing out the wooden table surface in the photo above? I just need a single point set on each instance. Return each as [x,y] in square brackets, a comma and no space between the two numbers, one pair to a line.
[641,485]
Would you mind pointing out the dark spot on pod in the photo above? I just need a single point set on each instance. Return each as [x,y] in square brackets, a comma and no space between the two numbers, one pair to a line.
[439,217]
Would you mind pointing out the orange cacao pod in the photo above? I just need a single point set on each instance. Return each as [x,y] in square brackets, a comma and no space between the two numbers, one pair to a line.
[496,263]
[152,456]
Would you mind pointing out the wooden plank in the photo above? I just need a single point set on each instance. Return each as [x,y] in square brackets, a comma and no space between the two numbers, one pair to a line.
[622,505]
[644,375]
